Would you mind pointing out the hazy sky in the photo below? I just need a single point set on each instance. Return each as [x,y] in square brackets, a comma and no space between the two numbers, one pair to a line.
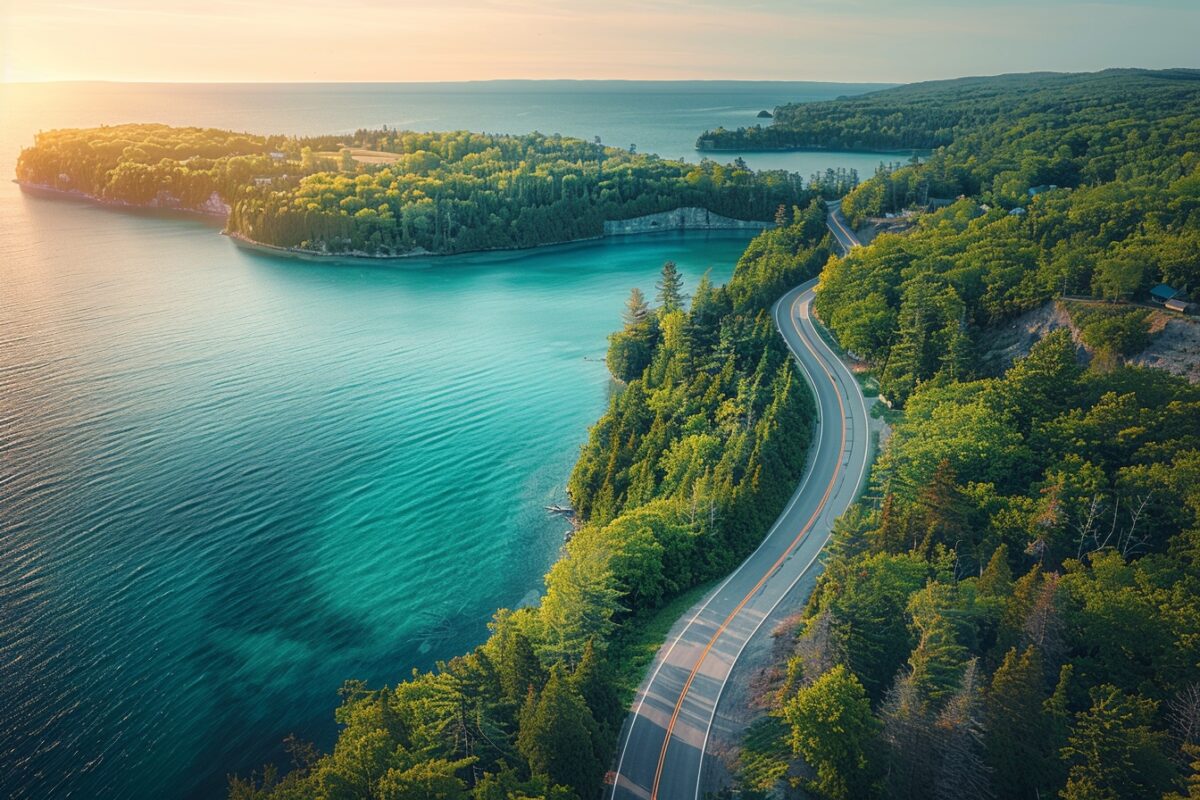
[376,40]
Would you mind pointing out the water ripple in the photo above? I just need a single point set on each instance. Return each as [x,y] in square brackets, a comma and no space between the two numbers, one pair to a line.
[228,483]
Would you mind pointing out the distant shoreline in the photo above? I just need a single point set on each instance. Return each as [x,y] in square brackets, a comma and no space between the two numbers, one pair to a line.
[815,149]
[54,193]
[301,254]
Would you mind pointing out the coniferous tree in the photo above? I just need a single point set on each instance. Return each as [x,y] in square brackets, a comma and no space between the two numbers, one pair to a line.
[637,310]
[1113,750]
[670,288]
[594,682]
[941,505]
[996,578]
[1015,726]
[958,731]
[517,664]
[558,736]
[937,661]
[892,533]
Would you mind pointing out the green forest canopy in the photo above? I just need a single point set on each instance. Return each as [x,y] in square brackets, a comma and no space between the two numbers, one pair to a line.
[1091,188]
[443,193]
[926,116]
[1015,611]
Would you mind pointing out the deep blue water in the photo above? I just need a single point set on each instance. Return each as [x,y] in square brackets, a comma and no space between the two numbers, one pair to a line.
[229,482]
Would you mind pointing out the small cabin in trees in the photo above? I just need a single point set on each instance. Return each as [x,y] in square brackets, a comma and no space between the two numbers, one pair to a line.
[1163,294]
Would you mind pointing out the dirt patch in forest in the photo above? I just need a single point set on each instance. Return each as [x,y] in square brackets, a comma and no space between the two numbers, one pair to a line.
[1174,346]
[1174,340]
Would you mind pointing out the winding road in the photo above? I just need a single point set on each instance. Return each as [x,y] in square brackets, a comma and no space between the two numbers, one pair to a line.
[845,238]
[662,745]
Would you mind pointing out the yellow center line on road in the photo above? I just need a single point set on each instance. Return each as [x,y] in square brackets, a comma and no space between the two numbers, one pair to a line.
[849,236]
[662,756]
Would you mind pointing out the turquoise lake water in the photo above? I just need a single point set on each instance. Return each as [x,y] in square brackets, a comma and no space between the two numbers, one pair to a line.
[230,482]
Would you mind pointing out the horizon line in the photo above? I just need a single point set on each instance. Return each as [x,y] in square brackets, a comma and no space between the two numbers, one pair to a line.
[887,83]
[464,80]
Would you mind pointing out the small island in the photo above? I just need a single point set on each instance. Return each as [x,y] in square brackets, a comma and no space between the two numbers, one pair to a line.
[392,194]
[764,114]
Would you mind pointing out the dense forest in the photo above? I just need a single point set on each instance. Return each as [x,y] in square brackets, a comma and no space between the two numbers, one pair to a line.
[679,479]
[389,193]
[152,165]
[1013,609]
[926,116]
[1101,199]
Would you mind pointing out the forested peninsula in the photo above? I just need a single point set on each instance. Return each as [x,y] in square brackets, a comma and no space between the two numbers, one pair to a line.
[385,193]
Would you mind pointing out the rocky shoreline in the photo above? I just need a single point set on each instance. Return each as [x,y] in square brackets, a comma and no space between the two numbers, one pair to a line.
[213,208]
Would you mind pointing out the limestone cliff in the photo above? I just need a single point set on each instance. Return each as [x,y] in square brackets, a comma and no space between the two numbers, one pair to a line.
[681,219]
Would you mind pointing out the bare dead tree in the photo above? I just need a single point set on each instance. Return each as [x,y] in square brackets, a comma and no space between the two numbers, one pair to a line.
[1125,541]
[907,734]
[1130,542]
[1112,530]
[1087,526]
[820,648]
[1183,715]
[958,734]
[1044,625]
[961,569]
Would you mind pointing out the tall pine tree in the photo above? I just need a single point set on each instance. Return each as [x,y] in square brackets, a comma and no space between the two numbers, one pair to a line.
[558,736]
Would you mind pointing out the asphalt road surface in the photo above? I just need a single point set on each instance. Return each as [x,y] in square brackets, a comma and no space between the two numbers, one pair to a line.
[663,740]
[845,237]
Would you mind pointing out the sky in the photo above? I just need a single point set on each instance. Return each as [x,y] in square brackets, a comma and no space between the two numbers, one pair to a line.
[403,40]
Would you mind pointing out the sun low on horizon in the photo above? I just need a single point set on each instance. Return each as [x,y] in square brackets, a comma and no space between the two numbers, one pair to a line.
[371,41]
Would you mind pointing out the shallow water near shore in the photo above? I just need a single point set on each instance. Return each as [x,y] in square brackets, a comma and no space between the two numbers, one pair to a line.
[228,481]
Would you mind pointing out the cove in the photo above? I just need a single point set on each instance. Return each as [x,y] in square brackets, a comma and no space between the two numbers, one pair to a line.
[233,481]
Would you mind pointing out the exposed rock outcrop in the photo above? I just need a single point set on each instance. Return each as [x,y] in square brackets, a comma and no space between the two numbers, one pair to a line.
[1174,343]
[1175,346]
[1013,339]
[681,219]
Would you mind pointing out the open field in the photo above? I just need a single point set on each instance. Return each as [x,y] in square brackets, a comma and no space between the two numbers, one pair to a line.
[363,156]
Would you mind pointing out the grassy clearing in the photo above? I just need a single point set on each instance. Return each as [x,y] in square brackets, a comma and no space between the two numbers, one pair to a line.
[764,758]
[363,156]
[641,637]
